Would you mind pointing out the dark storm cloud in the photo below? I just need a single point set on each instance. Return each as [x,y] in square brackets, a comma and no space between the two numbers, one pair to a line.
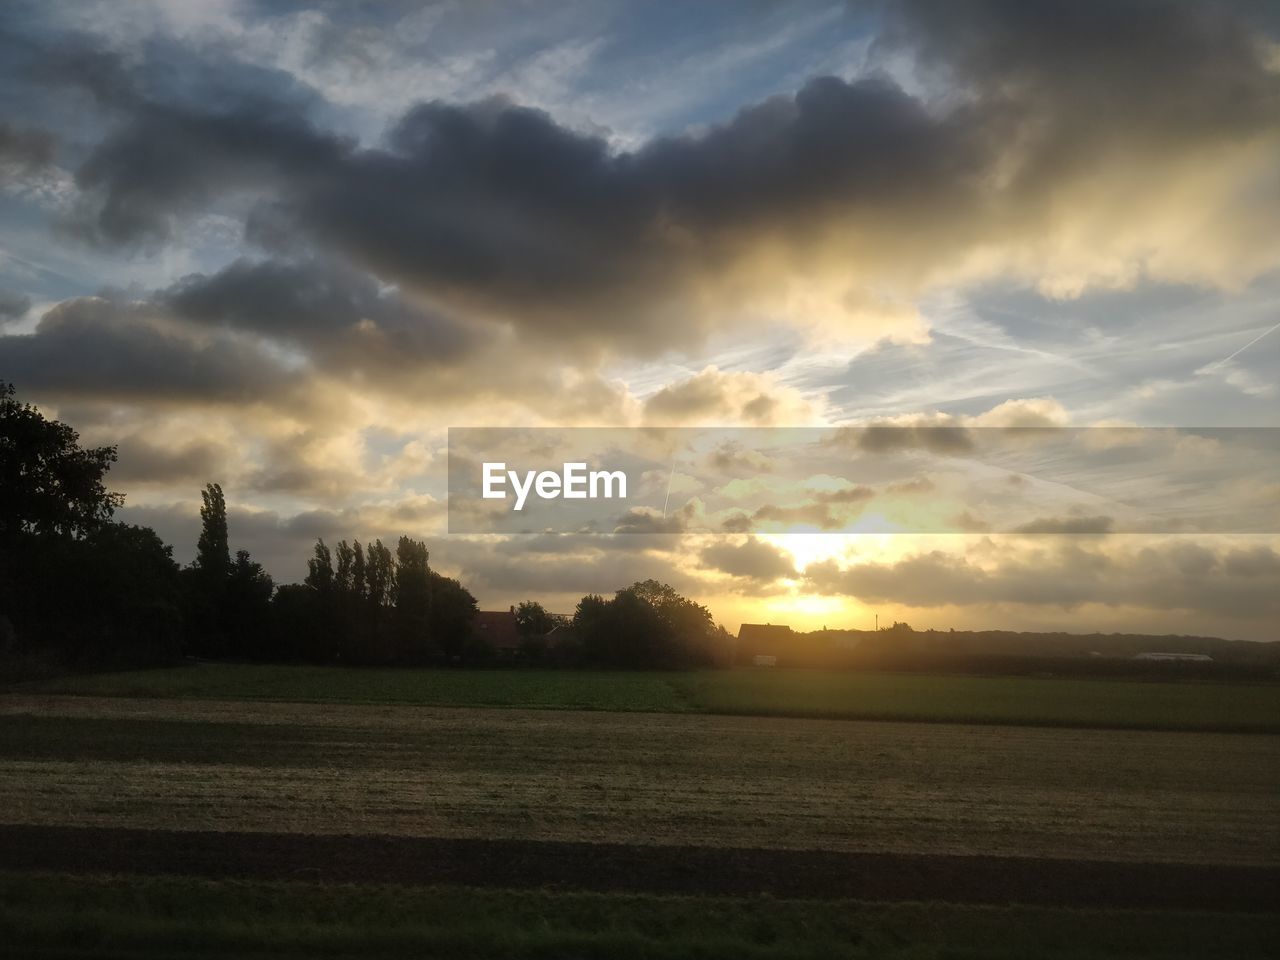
[1166,70]
[209,337]
[499,208]
[98,347]
[338,315]
[169,161]
[496,211]
[143,461]
[24,150]
[13,305]
[180,128]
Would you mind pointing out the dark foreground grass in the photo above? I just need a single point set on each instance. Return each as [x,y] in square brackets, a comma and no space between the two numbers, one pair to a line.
[554,689]
[1033,701]
[58,915]
[1245,708]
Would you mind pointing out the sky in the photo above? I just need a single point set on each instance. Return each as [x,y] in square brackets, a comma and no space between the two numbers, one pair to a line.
[286,247]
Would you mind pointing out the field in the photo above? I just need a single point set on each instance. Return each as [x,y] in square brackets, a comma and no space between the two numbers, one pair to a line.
[260,811]
[180,917]
[1112,704]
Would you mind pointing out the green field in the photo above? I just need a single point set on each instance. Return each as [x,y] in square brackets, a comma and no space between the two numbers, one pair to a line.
[43,915]
[795,693]
[556,689]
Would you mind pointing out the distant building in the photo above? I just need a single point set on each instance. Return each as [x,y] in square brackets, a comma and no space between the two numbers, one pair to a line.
[764,660]
[1188,657]
[498,629]
[762,640]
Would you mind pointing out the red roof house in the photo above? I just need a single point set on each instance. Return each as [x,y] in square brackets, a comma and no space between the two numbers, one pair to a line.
[498,629]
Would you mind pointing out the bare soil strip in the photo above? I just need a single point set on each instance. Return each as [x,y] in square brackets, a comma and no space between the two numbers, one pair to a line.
[632,868]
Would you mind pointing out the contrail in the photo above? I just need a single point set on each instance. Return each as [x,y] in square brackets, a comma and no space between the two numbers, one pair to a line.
[670,477]
[1225,360]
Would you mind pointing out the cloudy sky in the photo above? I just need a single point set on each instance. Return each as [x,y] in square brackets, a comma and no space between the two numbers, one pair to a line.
[286,246]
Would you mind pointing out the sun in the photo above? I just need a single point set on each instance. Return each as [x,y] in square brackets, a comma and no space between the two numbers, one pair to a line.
[810,548]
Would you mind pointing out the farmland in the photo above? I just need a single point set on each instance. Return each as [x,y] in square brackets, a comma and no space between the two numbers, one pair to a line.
[664,778]
[1035,701]
[378,813]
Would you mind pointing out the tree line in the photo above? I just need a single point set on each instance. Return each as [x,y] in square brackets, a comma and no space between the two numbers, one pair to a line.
[80,590]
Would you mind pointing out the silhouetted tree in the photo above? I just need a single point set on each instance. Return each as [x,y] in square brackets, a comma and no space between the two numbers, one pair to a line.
[532,619]
[75,588]
[213,555]
[298,624]
[589,627]
[51,485]
[247,611]
[205,581]
[379,577]
[342,575]
[329,640]
[453,609]
[413,601]
[358,585]
[320,575]
[125,604]
[647,624]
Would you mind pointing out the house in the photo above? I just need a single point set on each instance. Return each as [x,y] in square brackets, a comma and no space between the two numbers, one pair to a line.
[1182,657]
[498,629]
[761,643]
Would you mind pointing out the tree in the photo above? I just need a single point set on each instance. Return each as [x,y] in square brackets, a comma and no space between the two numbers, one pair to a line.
[379,576]
[123,610]
[320,570]
[247,610]
[346,560]
[297,620]
[647,624]
[205,582]
[357,572]
[453,609]
[589,627]
[532,619]
[52,486]
[213,555]
[76,589]
[413,600]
